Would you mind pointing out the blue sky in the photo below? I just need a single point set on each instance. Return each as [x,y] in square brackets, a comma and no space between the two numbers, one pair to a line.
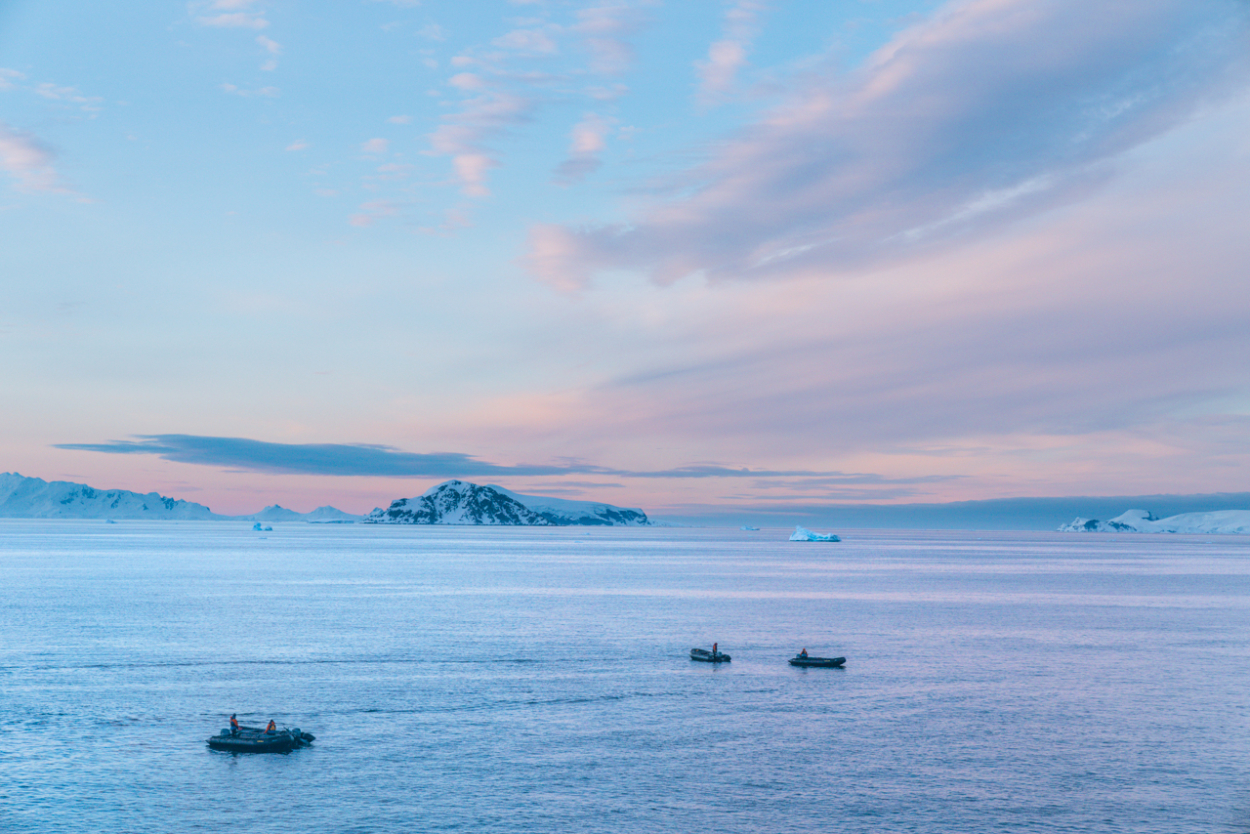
[669,255]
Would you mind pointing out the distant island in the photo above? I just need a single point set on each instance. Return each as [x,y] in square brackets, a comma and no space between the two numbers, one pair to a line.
[1142,521]
[459,502]
[452,502]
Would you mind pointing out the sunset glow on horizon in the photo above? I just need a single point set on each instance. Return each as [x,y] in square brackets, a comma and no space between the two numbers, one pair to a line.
[675,256]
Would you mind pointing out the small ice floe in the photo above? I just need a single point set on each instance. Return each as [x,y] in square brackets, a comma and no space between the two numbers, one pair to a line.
[802,534]
[748,527]
[261,528]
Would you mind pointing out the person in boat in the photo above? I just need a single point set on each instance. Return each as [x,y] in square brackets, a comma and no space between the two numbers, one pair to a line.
[234,725]
[804,652]
[272,728]
[713,650]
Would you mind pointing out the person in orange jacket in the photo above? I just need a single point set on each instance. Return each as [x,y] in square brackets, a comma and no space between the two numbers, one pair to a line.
[272,728]
[234,725]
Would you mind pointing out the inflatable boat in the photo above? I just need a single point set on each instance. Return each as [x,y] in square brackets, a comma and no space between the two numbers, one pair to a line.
[256,740]
[704,656]
[818,662]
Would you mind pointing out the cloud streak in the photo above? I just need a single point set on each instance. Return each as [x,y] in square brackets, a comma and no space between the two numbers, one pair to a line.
[347,459]
[989,111]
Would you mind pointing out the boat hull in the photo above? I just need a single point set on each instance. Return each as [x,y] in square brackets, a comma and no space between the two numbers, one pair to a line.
[228,744]
[818,662]
[254,740]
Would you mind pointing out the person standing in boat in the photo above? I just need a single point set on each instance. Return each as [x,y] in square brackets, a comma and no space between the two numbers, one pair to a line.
[234,725]
[804,652]
[714,652]
[272,728]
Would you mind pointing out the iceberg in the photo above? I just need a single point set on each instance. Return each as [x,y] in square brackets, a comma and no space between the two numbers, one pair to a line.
[748,527]
[258,527]
[802,534]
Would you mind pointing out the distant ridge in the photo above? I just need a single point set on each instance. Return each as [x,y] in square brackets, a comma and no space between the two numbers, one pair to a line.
[324,515]
[460,502]
[1141,521]
[23,497]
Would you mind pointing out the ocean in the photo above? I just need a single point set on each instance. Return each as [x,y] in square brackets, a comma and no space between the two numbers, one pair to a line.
[538,680]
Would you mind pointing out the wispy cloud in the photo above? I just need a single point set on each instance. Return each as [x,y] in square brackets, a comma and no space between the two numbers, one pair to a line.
[535,41]
[11,79]
[273,48]
[988,111]
[229,14]
[588,140]
[466,135]
[28,161]
[243,92]
[718,72]
[373,211]
[605,29]
[503,98]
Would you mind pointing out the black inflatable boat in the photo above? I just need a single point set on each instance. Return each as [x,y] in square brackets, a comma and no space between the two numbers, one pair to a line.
[256,740]
[818,662]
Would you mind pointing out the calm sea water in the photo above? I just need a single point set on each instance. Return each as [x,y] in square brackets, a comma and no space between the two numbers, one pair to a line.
[522,680]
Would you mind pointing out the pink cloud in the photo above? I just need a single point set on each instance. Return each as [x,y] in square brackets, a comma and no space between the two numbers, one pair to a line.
[464,135]
[28,161]
[726,56]
[989,111]
[588,140]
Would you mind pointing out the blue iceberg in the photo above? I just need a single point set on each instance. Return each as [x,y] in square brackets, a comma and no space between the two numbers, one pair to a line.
[802,534]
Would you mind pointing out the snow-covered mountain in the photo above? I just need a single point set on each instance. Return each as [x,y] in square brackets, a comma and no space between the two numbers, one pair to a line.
[321,515]
[1141,521]
[331,515]
[273,513]
[459,502]
[22,497]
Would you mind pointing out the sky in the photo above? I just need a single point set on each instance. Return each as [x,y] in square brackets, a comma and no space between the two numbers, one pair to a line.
[685,256]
